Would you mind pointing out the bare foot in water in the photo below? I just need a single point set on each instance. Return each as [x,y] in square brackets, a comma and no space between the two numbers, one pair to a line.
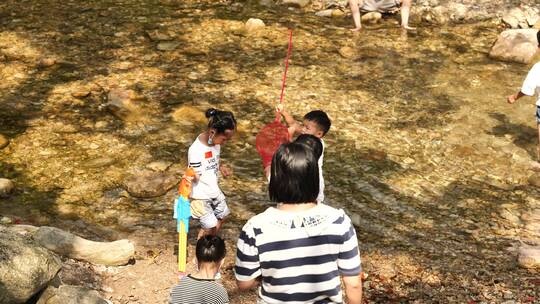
[356,29]
[409,28]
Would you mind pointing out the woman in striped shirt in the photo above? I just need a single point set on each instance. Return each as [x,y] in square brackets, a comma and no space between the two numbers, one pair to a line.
[298,250]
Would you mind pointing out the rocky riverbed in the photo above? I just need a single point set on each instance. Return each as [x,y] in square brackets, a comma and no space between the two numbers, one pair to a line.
[100,100]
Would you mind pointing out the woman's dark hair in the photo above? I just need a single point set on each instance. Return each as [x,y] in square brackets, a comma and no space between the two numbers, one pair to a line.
[312,142]
[220,120]
[210,248]
[294,176]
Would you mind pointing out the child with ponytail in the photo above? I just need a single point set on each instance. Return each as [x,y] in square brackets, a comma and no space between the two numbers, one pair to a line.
[208,203]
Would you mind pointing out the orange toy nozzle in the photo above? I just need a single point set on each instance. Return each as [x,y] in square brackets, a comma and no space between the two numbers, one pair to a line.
[185,186]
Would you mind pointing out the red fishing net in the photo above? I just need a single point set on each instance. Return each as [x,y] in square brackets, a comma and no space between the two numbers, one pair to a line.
[269,139]
[275,133]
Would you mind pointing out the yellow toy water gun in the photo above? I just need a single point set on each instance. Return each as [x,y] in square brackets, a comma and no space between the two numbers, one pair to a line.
[182,213]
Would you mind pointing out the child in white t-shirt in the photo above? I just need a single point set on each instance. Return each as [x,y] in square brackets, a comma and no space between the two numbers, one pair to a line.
[531,85]
[316,123]
[208,203]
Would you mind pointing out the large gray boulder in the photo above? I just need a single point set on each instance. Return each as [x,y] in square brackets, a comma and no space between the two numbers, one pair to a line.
[25,267]
[515,45]
[67,294]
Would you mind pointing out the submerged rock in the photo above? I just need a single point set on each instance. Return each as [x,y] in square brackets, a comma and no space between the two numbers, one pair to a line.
[158,36]
[529,257]
[267,3]
[371,17]
[254,24]
[167,45]
[3,141]
[159,166]
[6,187]
[534,180]
[121,104]
[100,162]
[25,267]
[347,52]
[67,294]
[47,62]
[81,93]
[324,13]
[150,184]
[296,3]
[515,45]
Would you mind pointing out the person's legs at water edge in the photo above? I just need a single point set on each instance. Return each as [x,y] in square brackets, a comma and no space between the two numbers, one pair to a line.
[536,164]
[355,11]
[220,212]
[405,12]
[201,210]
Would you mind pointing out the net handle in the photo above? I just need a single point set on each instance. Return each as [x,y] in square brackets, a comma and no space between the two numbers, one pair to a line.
[289,51]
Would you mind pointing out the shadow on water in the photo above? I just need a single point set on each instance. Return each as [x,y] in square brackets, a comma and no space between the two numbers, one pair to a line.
[456,239]
[522,135]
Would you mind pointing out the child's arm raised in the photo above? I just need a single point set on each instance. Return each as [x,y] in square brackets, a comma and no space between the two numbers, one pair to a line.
[294,126]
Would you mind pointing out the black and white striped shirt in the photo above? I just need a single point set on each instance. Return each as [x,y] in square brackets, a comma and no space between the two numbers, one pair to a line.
[192,290]
[299,255]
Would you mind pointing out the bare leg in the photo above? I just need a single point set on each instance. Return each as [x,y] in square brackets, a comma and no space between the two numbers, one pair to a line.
[219,224]
[538,151]
[405,12]
[535,165]
[355,10]
[267,173]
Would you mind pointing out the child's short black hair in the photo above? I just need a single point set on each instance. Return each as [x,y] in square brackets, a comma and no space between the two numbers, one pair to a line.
[220,120]
[294,176]
[312,142]
[210,248]
[321,119]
